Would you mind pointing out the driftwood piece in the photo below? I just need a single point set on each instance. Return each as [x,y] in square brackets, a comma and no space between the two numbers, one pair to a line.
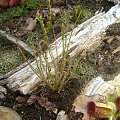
[16,41]
[4,80]
[86,36]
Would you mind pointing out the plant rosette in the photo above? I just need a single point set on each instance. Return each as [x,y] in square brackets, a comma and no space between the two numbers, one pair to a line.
[10,3]
[101,110]
[105,110]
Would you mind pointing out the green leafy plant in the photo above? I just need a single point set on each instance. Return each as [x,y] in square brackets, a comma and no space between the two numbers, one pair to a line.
[114,98]
[114,104]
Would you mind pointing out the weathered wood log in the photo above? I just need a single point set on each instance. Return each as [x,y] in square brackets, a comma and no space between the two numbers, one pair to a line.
[15,41]
[86,36]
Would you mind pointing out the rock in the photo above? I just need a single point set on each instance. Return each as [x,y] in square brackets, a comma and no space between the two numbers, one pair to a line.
[8,114]
[62,116]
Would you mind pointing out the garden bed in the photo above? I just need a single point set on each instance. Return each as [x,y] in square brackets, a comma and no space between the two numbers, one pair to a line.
[104,61]
[82,70]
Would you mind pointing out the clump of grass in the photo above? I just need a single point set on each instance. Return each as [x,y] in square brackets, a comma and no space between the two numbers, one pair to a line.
[52,71]
[10,57]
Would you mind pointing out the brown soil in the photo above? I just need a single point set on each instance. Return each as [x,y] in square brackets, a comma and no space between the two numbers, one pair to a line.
[62,101]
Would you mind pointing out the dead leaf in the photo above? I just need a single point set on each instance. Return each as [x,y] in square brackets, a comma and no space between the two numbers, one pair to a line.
[20,99]
[80,105]
[110,39]
[55,11]
[31,23]
[2,96]
[44,13]
[43,102]
[3,90]
[42,1]
[20,33]
[116,50]
[32,99]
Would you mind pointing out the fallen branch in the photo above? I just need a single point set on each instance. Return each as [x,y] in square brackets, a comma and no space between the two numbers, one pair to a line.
[15,41]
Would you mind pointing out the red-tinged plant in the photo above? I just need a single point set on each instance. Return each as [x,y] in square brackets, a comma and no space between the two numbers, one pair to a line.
[117,103]
[91,107]
[4,4]
[7,3]
[14,2]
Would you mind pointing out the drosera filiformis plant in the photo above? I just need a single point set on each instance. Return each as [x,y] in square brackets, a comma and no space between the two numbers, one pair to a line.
[53,71]
[44,64]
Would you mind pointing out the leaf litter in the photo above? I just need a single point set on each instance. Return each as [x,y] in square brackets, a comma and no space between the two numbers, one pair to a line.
[44,102]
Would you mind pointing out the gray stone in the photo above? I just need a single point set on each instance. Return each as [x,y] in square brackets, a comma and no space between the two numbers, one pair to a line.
[8,114]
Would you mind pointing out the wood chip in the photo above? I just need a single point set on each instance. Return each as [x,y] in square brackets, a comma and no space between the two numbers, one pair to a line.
[110,39]
[116,50]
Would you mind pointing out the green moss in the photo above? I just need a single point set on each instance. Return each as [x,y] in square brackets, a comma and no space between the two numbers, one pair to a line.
[10,57]
[81,69]
[8,61]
